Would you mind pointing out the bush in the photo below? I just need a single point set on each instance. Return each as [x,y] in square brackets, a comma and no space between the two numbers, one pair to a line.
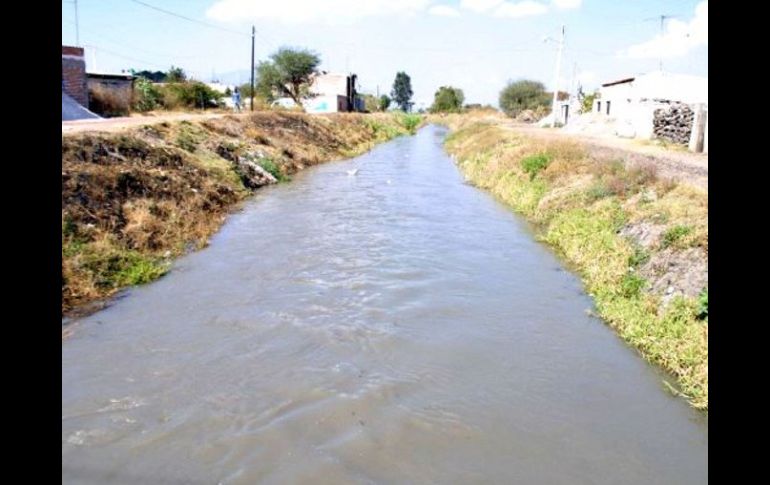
[147,96]
[703,305]
[533,164]
[632,285]
[409,121]
[521,95]
[108,102]
[193,94]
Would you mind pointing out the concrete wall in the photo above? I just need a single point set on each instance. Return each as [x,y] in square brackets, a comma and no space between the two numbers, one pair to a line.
[326,104]
[73,74]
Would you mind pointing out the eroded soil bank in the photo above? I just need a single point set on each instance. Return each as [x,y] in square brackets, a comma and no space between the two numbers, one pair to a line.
[134,200]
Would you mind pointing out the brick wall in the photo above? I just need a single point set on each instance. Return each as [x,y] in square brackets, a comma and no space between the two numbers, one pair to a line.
[73,74]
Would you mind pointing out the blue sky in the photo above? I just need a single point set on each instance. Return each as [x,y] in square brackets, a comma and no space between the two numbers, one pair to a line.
[476,45]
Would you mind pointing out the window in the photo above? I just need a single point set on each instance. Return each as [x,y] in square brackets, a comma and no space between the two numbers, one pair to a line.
[608,107]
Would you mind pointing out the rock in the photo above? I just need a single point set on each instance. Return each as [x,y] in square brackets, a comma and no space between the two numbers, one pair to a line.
[252,174]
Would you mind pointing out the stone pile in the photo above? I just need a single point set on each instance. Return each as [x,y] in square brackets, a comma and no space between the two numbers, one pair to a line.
[674,123]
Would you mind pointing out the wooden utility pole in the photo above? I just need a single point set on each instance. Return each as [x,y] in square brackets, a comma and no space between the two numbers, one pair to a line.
[253,31]
[556,81]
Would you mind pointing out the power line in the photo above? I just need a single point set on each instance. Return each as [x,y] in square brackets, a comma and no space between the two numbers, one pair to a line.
[133,47]
[206,24]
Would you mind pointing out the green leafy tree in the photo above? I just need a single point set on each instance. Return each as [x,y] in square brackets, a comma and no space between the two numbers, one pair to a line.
[523,94]
[176,75]
[402,91]
[289,72]
[587,104]
[384,102]
[147,96]
[447,100]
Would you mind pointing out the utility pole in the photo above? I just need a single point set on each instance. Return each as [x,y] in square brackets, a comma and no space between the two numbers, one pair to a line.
[556,80]
[77,26]
[253,31]
[662,18]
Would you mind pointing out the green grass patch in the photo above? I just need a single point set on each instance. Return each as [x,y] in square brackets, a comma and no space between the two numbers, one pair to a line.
[270,166]
[674,235]
[534,164]
[409,121]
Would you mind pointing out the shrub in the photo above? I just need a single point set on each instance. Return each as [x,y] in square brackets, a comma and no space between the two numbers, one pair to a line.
[147,96]
[192,94]
[703,305]
[533,164]
[632,285]
[409,121]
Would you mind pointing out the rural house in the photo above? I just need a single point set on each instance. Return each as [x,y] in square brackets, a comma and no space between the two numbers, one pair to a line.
[634,101]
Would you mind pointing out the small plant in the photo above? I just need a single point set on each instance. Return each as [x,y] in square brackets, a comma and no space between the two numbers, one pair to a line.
[270,166]
[533,164]
[632,285]
[675,234]
[598,190]
[410,121]
[703,305]
[187,141]
[639,257]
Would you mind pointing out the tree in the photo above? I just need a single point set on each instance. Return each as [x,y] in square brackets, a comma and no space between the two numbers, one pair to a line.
[176,75]
[384,102]
[587,103]
[289,72]
[523,94]
[371,103]
[156,76]
[402,91]
[447,100]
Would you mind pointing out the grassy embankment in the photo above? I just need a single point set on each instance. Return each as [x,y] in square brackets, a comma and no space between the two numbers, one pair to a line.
[132,201]
[640,243]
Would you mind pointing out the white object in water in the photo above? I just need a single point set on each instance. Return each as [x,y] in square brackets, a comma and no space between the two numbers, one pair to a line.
[353,172]
[388,182]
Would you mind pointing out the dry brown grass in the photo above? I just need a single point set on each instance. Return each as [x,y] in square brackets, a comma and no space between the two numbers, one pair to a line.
[133,200]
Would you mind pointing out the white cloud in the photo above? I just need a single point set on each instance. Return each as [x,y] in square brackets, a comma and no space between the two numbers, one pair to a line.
[678,39]
[480,5]
[443,11]
[304,11]
[526,8]
[565,4]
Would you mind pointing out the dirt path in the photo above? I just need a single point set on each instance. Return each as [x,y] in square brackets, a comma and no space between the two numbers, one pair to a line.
[117,124]
[687,167]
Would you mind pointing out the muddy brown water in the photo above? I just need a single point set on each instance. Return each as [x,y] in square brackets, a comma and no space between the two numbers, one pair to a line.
[393,326]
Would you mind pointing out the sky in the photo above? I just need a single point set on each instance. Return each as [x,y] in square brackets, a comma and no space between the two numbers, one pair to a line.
[475,45]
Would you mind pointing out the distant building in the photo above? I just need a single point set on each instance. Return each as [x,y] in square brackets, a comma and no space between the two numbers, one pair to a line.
[632,101]
[334,93]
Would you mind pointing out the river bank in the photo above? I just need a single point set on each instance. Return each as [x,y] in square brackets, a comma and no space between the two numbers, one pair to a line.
[134,200]
[638,239]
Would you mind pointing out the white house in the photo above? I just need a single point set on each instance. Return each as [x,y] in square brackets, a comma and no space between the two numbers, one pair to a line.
[632,101]
[333,93]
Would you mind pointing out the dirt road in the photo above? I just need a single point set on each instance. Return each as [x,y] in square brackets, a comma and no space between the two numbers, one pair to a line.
[687,167]
[117,124]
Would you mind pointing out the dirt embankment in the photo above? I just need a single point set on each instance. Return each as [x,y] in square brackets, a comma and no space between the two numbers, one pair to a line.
[638,238]
[135,199]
